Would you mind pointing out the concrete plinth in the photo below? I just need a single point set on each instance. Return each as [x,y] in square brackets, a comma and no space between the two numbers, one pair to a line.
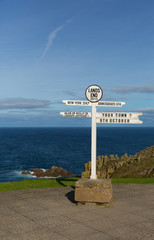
[97,191]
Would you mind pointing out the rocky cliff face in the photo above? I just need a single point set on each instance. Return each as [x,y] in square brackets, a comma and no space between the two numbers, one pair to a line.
[136,166]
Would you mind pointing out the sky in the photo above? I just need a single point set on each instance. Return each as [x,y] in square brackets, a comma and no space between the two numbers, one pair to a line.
[52,50]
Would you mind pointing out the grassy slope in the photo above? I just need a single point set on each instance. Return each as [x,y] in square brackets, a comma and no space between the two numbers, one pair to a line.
[134,169]
[45,183]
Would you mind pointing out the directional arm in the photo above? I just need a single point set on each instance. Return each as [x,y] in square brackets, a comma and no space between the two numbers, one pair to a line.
[75,114]
[99,104]
[109,117]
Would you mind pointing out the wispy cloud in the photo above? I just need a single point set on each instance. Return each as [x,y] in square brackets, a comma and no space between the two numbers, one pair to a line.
[114,99]
[58,102]
[146,110]
[133,89]
[27,119]
[70,93]
[52,36]
[22,103]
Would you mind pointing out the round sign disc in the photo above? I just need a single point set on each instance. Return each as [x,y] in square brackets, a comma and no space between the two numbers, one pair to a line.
[94,93]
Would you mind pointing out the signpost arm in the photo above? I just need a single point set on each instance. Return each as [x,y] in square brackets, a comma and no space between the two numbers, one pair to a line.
[93,142]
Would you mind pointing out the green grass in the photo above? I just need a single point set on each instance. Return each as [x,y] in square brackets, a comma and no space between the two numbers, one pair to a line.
[39,183]
[133,180]
[47,183]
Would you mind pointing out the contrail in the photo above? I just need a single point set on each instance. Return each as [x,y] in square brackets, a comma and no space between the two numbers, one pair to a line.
[52,36]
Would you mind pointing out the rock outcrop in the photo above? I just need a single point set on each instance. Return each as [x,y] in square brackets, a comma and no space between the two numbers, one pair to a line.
[52,172]
[25,172]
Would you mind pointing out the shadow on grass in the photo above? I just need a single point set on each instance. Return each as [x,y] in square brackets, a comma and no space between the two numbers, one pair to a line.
[61,181]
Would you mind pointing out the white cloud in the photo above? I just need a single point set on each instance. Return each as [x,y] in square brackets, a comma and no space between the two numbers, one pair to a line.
[52,36]
[22,103]
[133,89]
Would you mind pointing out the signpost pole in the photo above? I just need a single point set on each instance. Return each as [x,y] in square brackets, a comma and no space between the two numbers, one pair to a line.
[88,190]
[93,142]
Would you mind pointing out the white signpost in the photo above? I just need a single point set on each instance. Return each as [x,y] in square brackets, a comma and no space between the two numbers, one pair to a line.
[93,94]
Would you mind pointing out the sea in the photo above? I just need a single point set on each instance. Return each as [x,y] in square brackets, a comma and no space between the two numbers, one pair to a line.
[69,148]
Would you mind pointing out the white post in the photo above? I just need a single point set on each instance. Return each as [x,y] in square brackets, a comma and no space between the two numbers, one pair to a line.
[93,142]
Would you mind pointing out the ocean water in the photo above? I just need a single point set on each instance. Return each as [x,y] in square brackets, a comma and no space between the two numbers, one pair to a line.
[27,148]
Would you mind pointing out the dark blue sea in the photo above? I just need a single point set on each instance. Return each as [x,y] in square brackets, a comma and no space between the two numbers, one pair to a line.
[27,148]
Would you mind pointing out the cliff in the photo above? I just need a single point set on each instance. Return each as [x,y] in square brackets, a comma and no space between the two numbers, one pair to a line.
[133,166]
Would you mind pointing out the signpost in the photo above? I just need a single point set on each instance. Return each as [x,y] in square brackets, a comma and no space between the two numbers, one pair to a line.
[94,94]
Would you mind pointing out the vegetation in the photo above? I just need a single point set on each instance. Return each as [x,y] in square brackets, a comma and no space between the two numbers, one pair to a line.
[140,165]
[48,183]
[39,183]
[133,180]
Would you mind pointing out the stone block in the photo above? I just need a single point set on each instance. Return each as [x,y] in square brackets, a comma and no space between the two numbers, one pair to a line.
[93,191]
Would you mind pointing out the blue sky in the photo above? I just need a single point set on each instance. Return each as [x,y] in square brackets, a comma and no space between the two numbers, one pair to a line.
[52,50]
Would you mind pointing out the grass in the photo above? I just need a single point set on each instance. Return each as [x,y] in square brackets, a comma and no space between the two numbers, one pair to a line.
[133,180]
[39,183]
[47,183]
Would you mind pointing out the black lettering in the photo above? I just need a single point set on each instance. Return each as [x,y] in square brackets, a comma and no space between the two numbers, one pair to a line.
[94,94]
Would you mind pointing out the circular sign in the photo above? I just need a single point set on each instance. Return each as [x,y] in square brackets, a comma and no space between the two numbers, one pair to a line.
[94,93]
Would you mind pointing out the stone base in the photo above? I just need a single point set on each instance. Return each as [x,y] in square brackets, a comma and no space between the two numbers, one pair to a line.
[92,204]
[98,191]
